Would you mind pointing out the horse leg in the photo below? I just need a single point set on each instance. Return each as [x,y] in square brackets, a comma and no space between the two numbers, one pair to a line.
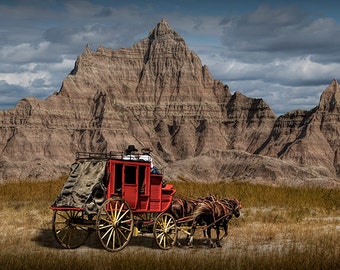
[188,233]
[218,244]
[191,236]
[225,227]
[205,236]
[177,240]
[211,243]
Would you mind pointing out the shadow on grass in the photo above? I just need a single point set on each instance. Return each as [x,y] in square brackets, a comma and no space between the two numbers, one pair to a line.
[45,238]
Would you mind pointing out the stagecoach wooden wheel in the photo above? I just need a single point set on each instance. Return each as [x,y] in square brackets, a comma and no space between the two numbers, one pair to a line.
[69,229]
[165,231]
[114,224]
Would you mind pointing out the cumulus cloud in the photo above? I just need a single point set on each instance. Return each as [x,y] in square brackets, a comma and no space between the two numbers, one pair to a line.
[26,53]
[283,55]
[280,32]
[39,42]
[280,54]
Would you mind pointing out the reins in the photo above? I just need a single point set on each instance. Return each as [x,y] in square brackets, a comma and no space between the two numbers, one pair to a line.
[211,224]
[227,209]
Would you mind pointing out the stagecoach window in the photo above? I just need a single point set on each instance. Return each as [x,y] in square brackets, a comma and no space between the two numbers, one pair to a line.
[118,175]
[141,176]
[130,174]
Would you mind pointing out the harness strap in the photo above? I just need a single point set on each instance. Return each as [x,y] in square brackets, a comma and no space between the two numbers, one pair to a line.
[207,226]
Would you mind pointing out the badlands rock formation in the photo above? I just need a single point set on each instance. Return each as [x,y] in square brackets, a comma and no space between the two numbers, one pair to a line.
[158,94]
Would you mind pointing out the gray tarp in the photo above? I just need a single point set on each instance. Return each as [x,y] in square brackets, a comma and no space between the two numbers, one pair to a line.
[84,187]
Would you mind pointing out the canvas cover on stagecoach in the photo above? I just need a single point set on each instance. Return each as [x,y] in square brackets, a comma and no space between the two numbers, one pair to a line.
[85,187]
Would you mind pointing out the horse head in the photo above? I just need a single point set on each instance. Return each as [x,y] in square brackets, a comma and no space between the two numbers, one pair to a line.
[235,206]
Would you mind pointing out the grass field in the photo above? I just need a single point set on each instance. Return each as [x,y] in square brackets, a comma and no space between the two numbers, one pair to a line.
[279,228]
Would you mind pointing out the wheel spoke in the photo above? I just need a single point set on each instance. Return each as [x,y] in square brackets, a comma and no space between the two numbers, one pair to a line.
[114,224]
[113,235]
[115,212]
[162,240]
[109,230]
[64,235]
[102,226]
[118,238]
[126,212]
[69,237]
[108,214]
[127,229]
[165,231]
[122,233]
[66,229]
[120,210]
[168,223]
[171,226]
[170,237]
[160,234]
[63,216]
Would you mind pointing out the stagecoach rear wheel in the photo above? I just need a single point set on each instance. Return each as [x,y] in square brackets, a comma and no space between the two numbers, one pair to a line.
[165,231]
[114,224]
[68,228]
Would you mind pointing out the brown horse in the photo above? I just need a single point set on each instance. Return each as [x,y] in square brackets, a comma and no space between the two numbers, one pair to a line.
[235,205]
[214,213]
[182,210]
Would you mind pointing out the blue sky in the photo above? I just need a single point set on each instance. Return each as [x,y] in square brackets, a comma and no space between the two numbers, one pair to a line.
[286,52]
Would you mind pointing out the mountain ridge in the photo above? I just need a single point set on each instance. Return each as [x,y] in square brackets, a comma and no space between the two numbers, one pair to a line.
[158,94]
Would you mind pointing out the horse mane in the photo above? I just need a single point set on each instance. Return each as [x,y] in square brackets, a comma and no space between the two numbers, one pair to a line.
[236,201]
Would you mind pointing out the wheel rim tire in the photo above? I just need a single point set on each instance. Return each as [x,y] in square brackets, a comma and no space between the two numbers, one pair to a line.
[165,231]
[69,233]
[114,224]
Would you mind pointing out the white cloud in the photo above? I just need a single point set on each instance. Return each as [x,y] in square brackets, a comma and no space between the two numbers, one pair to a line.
[294,83]
[27,53]
[282,54]
[24,79]
[280,98]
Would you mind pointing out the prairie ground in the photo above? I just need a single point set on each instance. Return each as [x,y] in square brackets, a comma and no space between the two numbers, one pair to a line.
[279,228]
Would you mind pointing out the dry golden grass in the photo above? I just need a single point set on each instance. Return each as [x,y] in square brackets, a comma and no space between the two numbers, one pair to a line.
[279,228]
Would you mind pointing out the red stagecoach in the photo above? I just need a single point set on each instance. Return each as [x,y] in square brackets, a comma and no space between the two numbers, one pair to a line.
[116,198]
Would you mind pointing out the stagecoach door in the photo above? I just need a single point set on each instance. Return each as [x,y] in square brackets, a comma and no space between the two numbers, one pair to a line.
[130,185]
[135,183]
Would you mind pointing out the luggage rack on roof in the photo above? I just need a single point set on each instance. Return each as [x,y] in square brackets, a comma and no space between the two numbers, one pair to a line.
[91,155]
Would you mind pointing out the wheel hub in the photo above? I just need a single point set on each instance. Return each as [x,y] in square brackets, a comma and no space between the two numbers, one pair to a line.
[115,224]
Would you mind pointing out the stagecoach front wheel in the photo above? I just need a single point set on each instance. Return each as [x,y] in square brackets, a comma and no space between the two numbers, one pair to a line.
[69,229]
[165,231]
[114,224]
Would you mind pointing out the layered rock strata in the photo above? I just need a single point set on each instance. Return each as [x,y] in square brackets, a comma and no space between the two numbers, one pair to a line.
[158,94]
